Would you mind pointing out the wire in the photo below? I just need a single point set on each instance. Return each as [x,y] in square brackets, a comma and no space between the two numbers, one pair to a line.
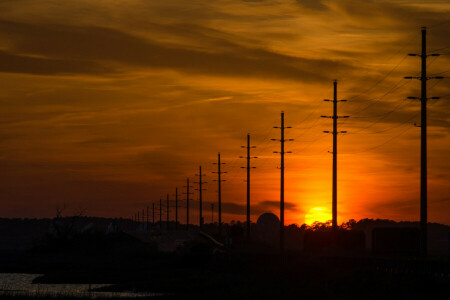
[438,24]
[438,49]
[384,143]
[378,99]
[443,72]
[382,79]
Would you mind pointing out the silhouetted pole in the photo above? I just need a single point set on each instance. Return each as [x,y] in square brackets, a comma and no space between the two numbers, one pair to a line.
[282,152]
[148,223]
[188,194]
[423,141]
[160,213]
[423,149]
[219,191]
[167,211]
[248,182]
[176,208]
[335,133]
[200,189]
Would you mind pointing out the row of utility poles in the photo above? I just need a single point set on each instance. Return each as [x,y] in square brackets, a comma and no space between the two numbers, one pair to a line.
[188,193]
[219,180]
[423,173]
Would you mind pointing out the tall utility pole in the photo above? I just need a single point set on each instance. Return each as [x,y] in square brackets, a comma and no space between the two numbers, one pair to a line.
[282,152]
[200,189]
[423,140]
[176,208]
[167,211]
[248,157]
[153,213]
[188,195]
[335,117]
[219,191]
[148,218]
[160,213]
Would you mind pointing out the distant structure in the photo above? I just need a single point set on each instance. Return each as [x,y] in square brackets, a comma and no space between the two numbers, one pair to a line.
[268,229]
[112,227]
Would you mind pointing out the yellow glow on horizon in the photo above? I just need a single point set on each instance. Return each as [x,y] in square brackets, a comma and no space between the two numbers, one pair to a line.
[317,214]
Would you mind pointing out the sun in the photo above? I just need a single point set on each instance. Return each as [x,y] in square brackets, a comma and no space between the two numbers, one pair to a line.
[319,214]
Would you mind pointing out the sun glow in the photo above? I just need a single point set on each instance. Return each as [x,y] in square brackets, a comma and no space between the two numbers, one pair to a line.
[317,214]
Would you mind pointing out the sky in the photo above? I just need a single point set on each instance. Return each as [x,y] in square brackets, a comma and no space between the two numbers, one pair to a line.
[107,106]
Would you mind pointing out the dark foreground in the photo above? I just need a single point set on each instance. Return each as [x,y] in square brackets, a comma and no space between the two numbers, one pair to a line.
[201,274]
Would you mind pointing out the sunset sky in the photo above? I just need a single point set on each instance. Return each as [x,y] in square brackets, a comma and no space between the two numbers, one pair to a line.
[109,105]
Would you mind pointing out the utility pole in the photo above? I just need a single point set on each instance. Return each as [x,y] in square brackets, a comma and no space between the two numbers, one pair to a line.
[176,208]
[188,194]
[160,213]
[219,191]
[423,141]
[167,211]
[335,117]
[248,157]
[282,152]
[200,189]
[147,218]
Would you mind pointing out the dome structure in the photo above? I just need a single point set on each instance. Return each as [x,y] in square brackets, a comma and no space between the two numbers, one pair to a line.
[268,229]
[268,220]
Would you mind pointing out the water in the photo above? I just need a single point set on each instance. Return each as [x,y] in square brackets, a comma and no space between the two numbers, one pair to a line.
[21,284]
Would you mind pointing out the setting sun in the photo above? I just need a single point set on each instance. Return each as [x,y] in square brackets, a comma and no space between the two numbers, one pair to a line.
[317,214]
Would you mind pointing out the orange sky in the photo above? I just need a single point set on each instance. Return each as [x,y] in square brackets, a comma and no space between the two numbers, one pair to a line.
[110,105]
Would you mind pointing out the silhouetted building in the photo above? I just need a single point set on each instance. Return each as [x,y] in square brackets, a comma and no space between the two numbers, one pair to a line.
[395,241]
[343,241]
[268,229]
